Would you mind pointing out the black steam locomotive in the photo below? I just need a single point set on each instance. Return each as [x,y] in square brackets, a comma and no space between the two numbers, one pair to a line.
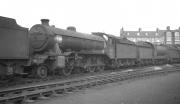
[45,50]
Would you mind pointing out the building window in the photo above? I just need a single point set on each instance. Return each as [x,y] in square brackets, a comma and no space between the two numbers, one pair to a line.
[156,34]
[138,34]
[168,36]
[177,37]
[162,39]
[148,40]
[157,40]
[146,34]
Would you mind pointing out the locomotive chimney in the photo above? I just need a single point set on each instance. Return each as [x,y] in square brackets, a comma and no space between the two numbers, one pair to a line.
[45,22]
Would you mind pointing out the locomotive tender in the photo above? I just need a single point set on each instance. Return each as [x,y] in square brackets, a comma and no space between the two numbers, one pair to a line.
[45,50]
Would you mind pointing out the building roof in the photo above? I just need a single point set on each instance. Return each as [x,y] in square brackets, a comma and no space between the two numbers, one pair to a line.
[143,34]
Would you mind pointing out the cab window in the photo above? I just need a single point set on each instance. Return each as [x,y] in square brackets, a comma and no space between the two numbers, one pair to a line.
[110,40]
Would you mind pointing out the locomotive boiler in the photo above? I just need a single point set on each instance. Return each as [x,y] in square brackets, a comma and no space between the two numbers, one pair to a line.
[43,37]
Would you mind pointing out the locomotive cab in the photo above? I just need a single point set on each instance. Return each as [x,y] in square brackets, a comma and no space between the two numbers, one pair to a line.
[120,51]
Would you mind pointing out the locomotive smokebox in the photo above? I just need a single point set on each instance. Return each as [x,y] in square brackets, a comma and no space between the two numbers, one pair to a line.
[45,22]
[41,38]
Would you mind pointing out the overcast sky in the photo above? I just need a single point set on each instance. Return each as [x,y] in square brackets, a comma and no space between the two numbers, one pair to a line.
[95,15]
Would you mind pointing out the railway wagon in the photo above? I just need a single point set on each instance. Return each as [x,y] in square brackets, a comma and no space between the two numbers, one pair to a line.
[177,49]
[167,54]
[160,54]
[146,53]
[173,54]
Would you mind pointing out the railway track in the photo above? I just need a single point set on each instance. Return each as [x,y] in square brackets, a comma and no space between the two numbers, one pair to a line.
[27,81]
[27,94]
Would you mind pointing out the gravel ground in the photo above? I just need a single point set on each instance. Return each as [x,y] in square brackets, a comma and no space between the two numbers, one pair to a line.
[162,89]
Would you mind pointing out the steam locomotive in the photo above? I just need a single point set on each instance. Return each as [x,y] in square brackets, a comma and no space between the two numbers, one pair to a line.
[44,50]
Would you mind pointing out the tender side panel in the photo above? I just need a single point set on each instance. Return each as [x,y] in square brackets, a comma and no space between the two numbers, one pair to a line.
[173,53]
[145,53]
[14,43]
[126,51]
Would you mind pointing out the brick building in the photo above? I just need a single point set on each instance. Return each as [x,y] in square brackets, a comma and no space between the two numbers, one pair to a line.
[158,37]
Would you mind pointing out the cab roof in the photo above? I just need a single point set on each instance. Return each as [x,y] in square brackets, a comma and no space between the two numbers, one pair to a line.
[144,43]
